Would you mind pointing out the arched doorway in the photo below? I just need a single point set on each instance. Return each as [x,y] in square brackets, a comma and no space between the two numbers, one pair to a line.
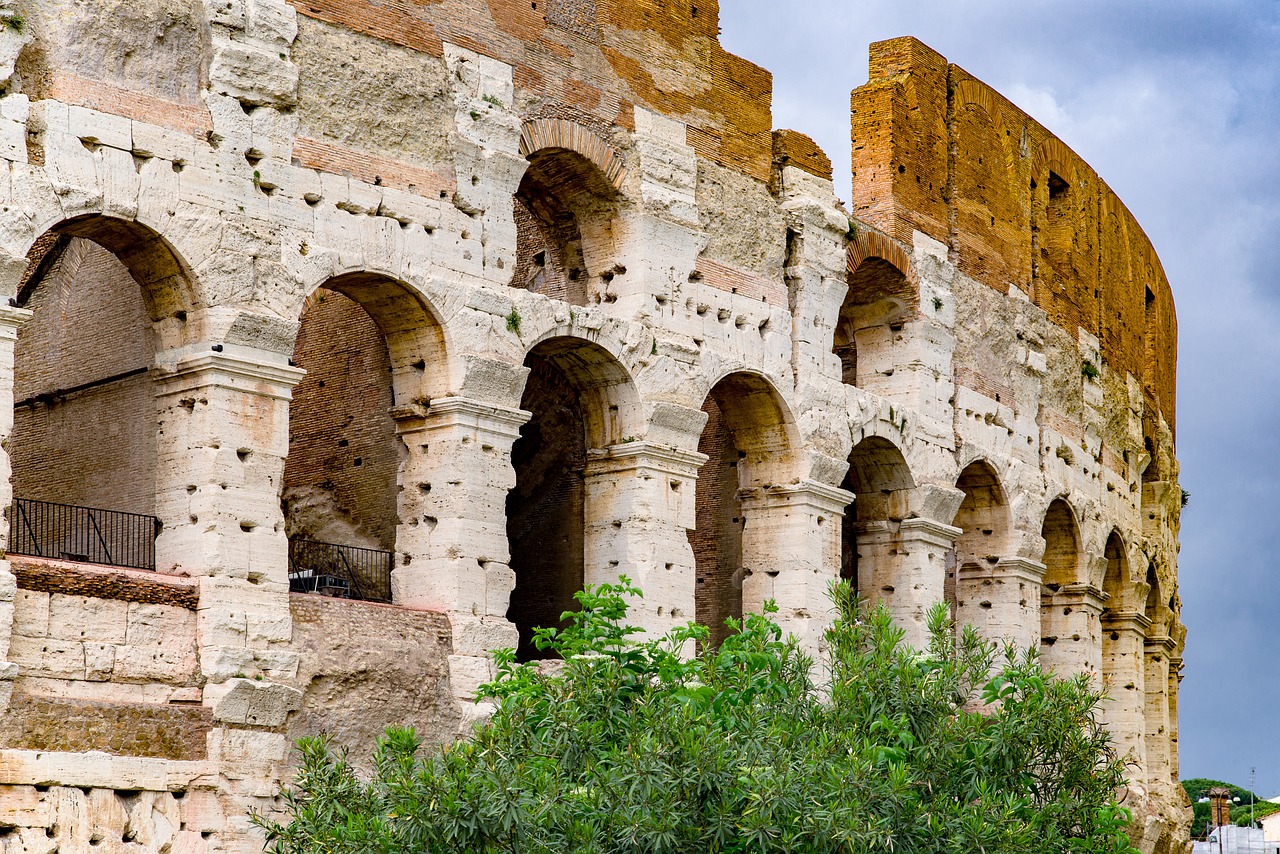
[880,300]
[983,520]
[747,446]
[580,398]
[105,296]
[1062,567]
[564,212]
[877,476]
[369,348]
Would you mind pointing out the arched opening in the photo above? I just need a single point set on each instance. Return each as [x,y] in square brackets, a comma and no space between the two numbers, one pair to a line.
[580,398]
[1114,673]
[879,301]
[877,474]
[983,520]
[1122,654]
[1152,609]
[368,346]
[105,295]
[745,441]
[1117,574]
[1061,562]
[1156,681]
[564,212]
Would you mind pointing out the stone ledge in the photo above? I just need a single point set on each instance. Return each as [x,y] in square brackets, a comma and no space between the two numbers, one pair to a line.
[104,582]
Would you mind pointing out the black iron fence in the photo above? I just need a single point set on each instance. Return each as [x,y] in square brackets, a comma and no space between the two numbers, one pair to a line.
[88,534]
[348,572]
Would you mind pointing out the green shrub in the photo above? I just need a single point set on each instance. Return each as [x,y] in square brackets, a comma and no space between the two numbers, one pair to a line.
[632,747]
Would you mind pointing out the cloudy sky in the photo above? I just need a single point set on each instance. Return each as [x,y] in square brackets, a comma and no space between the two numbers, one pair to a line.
[1177,105]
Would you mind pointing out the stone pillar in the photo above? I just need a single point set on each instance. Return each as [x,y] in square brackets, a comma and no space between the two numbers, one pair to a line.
[640,508]
[452,553]
[1175,681]
[1123,672]
[222,439]
[452,550]
[1001,600]
[791,553]
[10,319]
[1158,651]
[904,564]
[1071,632]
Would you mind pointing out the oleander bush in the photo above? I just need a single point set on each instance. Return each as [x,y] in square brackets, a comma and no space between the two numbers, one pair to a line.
[633,747]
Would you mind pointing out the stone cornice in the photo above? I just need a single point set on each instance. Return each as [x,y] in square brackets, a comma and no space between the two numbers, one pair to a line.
[242,369]
[1126,621]
[445,412]
[930,529]
[631,456]
[810,493]
[1021,568]
[11,317]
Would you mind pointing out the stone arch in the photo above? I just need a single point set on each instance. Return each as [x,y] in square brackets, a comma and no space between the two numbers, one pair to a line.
[106,295]
[748,441]
[166,280]
[1061,560]
[580,398]
[595,368]
[415,334]
[882,295]
[878,476]
[564,210]
[374,354]
[1154,607]
[984,523]
[1061,534]
[1116,584]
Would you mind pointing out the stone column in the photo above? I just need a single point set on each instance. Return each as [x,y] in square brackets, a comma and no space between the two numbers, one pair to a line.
[1123,678]
[1071,642]
[222,439]
[791,553]
[10,319]
[1175,681]
[452,553]
[1001,600]
[905,569]
[640,508]
[1158,651]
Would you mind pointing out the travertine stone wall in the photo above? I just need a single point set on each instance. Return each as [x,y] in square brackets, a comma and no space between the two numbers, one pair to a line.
[711,365]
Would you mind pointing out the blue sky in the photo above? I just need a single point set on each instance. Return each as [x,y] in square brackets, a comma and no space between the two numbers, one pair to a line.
[1177,105]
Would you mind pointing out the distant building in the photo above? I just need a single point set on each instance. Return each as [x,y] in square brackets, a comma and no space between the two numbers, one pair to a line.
[1230,839]
[1271,826]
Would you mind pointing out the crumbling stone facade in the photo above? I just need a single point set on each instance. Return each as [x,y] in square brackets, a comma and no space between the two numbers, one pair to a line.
[530,295]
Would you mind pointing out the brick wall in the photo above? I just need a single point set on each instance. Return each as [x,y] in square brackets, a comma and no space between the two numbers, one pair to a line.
[646,45]
[341,474]
[936,150]
[717,539]
[545,510]
[95,446]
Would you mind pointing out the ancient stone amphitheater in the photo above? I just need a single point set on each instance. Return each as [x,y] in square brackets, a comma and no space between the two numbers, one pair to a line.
[443,308]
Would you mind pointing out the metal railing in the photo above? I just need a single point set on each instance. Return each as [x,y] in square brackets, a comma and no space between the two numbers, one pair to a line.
[347,572]
[87,534]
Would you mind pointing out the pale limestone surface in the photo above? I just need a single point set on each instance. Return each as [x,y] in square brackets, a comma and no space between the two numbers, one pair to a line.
[255,234]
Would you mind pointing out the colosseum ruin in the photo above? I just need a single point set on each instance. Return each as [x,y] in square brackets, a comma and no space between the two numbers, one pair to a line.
[444,308]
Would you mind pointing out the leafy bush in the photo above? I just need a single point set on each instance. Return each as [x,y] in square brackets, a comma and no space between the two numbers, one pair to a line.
[632,747]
